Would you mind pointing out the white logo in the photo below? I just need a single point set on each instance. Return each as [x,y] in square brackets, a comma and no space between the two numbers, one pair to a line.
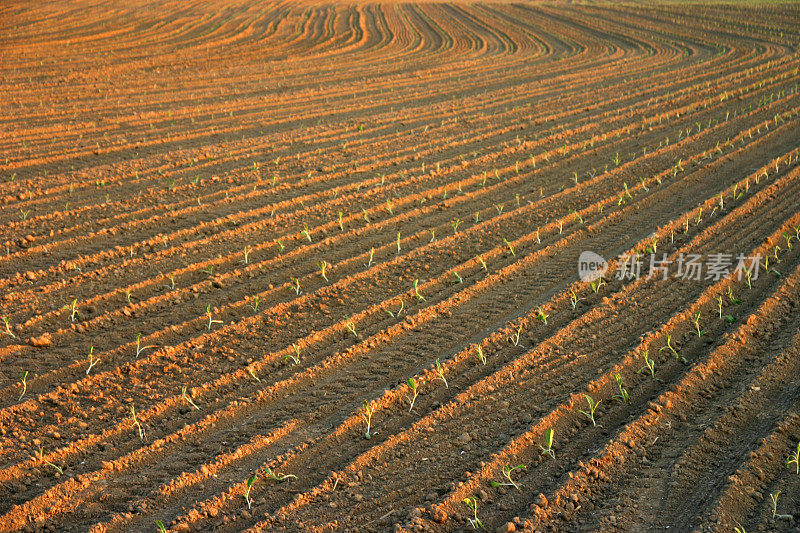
[591,266]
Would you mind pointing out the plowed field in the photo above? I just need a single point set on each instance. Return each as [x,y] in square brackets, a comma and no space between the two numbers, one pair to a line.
[292,266]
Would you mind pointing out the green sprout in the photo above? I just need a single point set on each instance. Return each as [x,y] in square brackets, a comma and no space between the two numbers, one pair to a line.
[7,322]
[367,416]
[412,384]
[794,457]
[416,290]
[24,383]
[73,308]
[351,327]
[136,424]
[161,527]
[210,319]
[92,360]
[623,392]
[475,522]
[541,315]
[696,321]
[440,371]
[294,357]
[306,233]
[596,284]
[248,487]
[48,463]
[548,443]
[323,268]
[481,356]
[678,356]
[188,398]
[515,337]
[649,364]
[592,408]
[295,286]
[510,248]
[276,476]
[507,471]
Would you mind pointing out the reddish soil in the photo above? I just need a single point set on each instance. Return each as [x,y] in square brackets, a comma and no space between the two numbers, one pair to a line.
[177,172]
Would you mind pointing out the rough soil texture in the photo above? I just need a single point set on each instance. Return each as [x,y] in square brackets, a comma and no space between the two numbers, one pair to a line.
[228,227]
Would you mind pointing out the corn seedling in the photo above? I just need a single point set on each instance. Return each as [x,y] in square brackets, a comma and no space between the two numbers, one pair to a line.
[351,327]
[294,285]
[440,371]
[280,246]
[481,356]
[696,322]
[92,360]
[188,398]
[669,347]
[276,476]
[774,499]
[24,383]
[649,364]
[455,223]
[253,374]
[211,320]
[294,357]
[573,299]
[208,270]
[507,471]
[73,308]
[397,313]
[510,248]
[457,276]
[592,408]
[305,233]
[367,416]
[323,268]
[548,443]
[246,252]
[482,262]
[541,315]
[623,392]
[515,337]
[254,304]
[161,527]
[416,291]
[371,256]
[137,425]
[7,322]
[48,463]
[596,284]
[732,298]
[341,225]
[739,528]
[412,384]
[793,457]
[139,347]
[475,522]
[248,486]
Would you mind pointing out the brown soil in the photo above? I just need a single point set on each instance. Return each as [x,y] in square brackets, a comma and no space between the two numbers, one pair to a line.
[173,174]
